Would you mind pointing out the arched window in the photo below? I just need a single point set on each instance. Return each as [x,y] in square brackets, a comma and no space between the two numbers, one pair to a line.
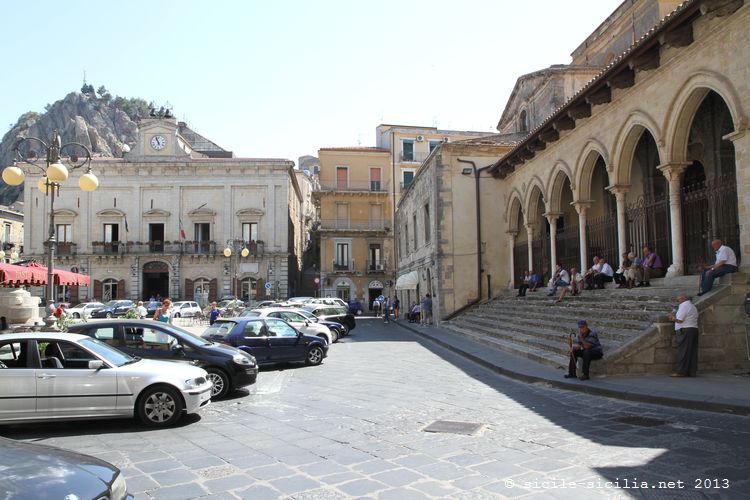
[523,122]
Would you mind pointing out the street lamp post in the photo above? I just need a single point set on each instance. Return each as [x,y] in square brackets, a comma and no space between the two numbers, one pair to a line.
[235,245]
[54,174]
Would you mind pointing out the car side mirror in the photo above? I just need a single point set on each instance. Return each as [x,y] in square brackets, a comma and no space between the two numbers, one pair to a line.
[307,322]
[96,364]
[299,334]
[177,349]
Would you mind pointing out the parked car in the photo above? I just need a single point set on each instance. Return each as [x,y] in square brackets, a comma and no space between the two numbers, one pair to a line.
[297,320]
[230,307]
[228,368]
[333,313]
[66,376]
[269,340]
[32,470]
[299,300]
[186,309]
[355,307]
[338,328]
[151,307]
[84,309]
[268,303]
[328,301]
[113,308]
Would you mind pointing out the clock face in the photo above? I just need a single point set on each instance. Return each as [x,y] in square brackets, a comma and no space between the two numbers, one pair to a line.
[158,142]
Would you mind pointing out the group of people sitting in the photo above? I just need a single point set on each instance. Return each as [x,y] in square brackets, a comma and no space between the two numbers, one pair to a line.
[631,270]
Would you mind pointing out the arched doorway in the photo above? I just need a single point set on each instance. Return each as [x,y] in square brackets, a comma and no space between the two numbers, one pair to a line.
[647,211]
[520,249]
[374,290]
[155,279]
[709,187]
[568,239]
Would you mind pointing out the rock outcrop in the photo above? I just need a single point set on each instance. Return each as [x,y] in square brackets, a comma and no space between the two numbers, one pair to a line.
[103,124]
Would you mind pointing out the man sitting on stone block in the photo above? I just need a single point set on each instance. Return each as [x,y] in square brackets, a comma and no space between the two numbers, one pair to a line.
[725,263]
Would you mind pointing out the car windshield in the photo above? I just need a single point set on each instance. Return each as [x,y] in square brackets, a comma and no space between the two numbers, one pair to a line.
[219,329]
[107,352]
[307,315]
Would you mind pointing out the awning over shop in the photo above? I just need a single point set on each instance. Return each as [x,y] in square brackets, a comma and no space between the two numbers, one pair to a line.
[11,275]
[408,281]
[70,278]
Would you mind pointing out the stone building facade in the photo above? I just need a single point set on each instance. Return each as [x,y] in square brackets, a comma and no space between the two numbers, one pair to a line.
[165,214]
[11,239]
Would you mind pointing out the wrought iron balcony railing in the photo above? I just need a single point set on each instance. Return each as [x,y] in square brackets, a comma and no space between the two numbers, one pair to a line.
[358,186]
[355,225]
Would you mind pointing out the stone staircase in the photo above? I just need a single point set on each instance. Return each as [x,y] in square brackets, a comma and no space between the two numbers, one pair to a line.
[537,327]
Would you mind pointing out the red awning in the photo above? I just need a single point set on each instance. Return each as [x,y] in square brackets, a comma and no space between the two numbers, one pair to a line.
[11,275]
[70,278]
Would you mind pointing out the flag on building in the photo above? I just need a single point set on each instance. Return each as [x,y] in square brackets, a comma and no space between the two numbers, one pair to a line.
[182,231]
[126,224]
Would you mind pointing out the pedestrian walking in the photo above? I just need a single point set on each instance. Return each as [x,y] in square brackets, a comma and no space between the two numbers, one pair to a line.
[387,310]
[427,310]
[686,330]
[396,308]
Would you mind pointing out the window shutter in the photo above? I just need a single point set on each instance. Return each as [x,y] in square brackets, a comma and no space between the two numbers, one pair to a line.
[74,294]
[97,290]
[189,290]
[212,285]
[121,289]
[261,289]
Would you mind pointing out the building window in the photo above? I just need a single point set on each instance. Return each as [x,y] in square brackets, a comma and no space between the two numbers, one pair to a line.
[249,231]
[433,145]
[343,292]
[342,216]
[342,256]
[414,223]
[342,177]
[375,180]
[248,289]
[523,122]
[202,232]
[200,291]
[427,223]
[407,176]
[376,258]
[63,233]
[407,150]
[111,233]
[156,237]
[376,216]
[7,233]
[406,237]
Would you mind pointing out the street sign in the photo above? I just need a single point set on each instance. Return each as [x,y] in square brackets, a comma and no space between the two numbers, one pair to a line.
[269,286]
[317,280]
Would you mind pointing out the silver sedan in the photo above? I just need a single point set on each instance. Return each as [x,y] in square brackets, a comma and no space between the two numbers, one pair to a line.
[66,376]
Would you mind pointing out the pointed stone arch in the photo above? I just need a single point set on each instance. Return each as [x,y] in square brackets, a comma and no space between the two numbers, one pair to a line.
[585,168]
[627,139]
[534,193]
[556,181]
[515,206]
[679,118]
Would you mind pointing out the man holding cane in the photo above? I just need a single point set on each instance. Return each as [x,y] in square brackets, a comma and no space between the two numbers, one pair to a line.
[586,347]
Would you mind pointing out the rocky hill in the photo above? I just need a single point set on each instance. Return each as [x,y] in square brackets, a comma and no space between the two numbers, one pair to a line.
[104,124]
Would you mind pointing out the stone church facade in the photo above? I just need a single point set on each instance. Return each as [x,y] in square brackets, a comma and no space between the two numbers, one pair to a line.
[165,214]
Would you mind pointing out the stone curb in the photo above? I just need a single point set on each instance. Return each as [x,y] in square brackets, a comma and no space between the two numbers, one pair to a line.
[691,404]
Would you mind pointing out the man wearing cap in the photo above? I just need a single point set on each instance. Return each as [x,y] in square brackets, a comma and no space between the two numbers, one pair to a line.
[587,347]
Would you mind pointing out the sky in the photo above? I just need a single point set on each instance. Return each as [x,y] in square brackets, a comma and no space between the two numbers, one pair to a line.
[282,79]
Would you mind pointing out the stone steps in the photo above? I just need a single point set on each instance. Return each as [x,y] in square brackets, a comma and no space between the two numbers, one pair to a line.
[556,314]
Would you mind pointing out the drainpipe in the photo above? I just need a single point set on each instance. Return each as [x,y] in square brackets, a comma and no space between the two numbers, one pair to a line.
[476,171]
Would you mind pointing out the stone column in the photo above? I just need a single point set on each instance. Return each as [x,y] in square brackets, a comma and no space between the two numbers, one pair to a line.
[741,141]
[511,246]
[581,207]
[552,219]
[620,192]
[529,239]
[673,172]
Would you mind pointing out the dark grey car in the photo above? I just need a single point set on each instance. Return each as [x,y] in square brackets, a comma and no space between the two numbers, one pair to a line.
[37,471]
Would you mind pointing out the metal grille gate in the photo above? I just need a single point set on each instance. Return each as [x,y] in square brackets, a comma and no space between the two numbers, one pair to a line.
[648,224]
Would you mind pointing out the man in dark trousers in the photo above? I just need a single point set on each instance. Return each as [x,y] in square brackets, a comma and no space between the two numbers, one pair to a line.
[586,347]
[686,330]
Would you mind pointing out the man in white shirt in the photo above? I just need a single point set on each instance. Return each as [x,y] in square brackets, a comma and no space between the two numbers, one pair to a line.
[605,274]
[593,271]
[725,263]
[561,278]
[686,330]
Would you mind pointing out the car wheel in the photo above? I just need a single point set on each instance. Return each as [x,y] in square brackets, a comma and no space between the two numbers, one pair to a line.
[314,356]
[323,337]
[344,330]
[76,316]
[109,315]
[220,381]
[335,335]
[159,406]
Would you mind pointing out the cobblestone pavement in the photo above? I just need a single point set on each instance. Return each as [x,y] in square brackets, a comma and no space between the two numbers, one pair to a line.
[354,428]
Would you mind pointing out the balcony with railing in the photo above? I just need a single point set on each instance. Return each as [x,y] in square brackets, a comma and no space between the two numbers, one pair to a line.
[199,247]
[415,157]
[354,225]
[376,266]
[66,248]
[380,187]
[341,265]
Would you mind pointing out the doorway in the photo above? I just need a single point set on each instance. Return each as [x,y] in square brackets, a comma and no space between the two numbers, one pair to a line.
[155,280]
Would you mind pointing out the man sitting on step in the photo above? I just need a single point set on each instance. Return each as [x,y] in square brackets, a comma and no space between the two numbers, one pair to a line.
[587,347]
[725,263]
[561,278]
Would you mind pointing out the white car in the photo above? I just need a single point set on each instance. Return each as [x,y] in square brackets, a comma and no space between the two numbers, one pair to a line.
[295,319]
[186,309]
[328,301]
[83,310]
[66,376]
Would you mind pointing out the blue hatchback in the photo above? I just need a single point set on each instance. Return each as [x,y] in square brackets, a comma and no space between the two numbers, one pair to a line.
[269,340]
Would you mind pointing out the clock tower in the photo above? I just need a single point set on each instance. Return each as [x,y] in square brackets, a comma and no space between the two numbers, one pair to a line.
[160,138]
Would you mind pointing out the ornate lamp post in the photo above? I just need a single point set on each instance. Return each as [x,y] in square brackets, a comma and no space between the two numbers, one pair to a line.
[54,173]
[244,252]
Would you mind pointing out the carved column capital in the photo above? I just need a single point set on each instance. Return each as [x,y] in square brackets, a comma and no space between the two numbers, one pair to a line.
[619,190]
[582,206]
[552,217]
[673,170]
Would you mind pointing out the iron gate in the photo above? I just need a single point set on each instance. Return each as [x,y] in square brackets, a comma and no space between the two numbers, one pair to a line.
[568,247]
[648,225]
[709,212]
[520,262]
[601,234]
